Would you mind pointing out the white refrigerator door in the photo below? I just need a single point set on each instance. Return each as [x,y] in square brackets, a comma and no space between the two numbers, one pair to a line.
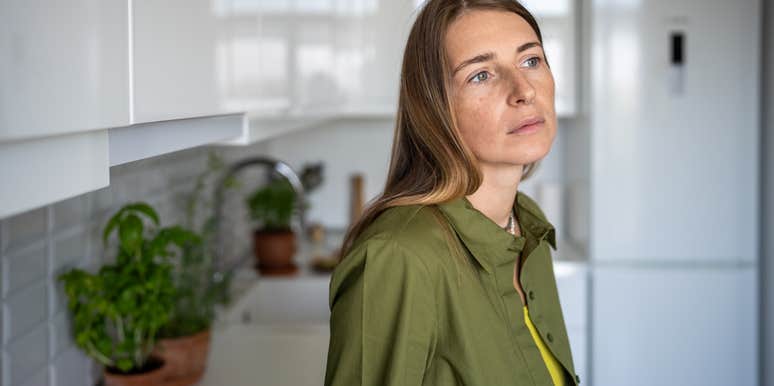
[674,147]
[680,326]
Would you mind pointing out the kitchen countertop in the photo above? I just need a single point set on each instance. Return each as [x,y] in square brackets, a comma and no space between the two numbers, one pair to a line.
[267,355]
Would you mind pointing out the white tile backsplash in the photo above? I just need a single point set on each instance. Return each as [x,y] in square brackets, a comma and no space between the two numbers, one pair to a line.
[60,337]
[25,356]
[27,264]
[70,212]
[23,310]
[68,369]
[40,378]
[25,228]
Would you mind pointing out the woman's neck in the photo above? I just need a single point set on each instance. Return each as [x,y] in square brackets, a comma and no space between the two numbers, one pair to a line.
[494,198]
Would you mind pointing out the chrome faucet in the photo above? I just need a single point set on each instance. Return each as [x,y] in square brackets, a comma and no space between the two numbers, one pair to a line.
[277,167]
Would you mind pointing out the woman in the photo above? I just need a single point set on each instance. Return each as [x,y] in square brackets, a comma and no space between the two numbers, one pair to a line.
[431,286]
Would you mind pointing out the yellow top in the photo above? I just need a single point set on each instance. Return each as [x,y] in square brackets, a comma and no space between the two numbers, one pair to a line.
[554,368]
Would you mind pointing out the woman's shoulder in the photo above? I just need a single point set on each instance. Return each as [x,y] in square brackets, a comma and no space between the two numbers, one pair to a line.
[402,243]
[411,226]
[411,231]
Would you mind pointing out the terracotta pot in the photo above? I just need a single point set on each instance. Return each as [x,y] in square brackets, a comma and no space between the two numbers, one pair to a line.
[185,357]
[274,249]
[156,376]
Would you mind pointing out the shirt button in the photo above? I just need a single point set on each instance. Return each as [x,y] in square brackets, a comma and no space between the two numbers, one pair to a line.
[550,337]
[531,295]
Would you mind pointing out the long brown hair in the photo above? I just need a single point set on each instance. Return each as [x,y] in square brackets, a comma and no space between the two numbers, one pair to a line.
[430,163]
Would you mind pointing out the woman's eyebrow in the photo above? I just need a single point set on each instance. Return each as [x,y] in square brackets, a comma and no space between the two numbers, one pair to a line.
[487,56]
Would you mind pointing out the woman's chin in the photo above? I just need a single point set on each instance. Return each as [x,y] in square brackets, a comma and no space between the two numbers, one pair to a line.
[528,153]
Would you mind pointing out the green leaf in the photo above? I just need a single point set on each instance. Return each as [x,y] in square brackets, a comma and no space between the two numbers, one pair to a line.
[130,234]
[124,364]
[112,223]
[144,208]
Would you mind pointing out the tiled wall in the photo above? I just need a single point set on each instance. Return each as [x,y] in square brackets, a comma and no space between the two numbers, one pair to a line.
[36,246]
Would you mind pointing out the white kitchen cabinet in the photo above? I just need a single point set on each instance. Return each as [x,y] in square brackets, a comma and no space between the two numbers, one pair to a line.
[175,73]
[64,71]
[145,140]
[675,325]
[64,67]
[293,65]
[371,48]
[39,171]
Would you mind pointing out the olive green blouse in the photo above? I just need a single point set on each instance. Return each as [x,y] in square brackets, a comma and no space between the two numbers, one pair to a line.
[407,310]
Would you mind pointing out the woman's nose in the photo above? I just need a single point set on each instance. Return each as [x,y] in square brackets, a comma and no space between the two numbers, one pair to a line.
[521,89]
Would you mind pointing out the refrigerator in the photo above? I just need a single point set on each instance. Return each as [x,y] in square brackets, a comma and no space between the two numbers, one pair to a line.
[674,192]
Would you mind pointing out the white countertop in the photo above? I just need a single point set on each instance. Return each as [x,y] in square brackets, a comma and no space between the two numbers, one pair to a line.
[267,355]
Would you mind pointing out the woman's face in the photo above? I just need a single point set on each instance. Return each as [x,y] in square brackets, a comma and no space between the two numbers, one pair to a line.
[499,81]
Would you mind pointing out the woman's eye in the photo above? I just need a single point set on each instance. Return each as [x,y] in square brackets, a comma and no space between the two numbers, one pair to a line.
[534,59]
[480,77]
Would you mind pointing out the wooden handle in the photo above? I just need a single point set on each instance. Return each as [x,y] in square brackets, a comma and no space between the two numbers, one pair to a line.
[356,182]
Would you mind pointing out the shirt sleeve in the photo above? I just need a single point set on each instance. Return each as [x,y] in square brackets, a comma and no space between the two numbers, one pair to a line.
[383,318]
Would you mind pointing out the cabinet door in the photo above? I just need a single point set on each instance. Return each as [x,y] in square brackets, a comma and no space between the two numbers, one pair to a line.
[40,171]
[63,67]
[316,89]
[175,71]
[381,28]
[684,325]
[255,56]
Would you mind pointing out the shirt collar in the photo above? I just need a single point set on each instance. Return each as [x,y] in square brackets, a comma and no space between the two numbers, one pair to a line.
[486,240]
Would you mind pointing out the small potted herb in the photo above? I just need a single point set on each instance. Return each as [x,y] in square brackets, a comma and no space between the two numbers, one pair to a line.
[274,242]
[117,312]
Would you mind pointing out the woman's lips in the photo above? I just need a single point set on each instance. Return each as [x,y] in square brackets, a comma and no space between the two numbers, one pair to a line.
[530,127]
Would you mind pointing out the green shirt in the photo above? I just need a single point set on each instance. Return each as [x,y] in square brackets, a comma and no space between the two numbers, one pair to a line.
[406,310]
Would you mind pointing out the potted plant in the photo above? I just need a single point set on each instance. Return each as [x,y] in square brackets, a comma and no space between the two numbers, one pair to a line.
[117,312]
[274,242]
[185,339]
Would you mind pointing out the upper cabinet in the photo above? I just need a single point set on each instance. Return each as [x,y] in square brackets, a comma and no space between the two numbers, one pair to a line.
[558,26]
[309,57]
[370,43]
[290,64]
[175,73]
[63,67]
[112,63]
[78,76]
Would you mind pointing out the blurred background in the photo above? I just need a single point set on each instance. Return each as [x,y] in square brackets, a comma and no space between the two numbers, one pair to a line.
[265,126]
